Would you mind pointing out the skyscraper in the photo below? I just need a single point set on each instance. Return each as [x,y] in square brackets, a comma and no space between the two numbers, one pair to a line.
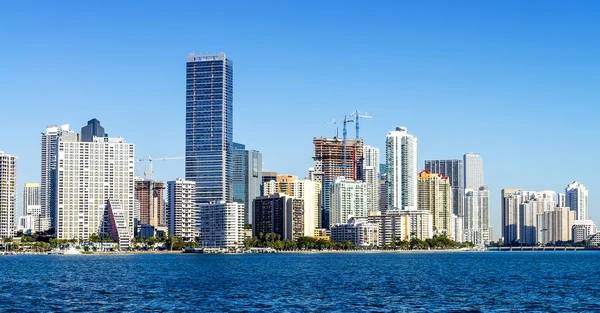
[473,171]
[511,201]
[330,162]
[434,196]
[48,174]
[94,178]
[149,195]
[247,178]
[348,199]
[577,200]
[209,126]
[454,170]
[8,194]
[91,130]
[371,176]
[402,169]
[477,216]
[31,204]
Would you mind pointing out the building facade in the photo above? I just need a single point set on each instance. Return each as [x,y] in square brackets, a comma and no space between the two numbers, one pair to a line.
[454,170]
[583,229]
[577,200]
[48,188]
[402,170]
[89,174]
[348,199]
[221,225]
[8,194]
[555,226]
[247,178]
[371,176]
[331,160]
[477,216]
[209,126]
[473,167]
[435,196]
[181,216]
[279,214]
[91,130]
[32,205]
[150,197]
[358,231]
[402,225]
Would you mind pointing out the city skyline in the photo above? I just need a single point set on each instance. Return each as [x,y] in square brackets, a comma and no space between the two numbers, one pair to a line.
[158,99]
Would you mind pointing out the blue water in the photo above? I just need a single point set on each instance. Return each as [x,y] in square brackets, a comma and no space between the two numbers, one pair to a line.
[382,282]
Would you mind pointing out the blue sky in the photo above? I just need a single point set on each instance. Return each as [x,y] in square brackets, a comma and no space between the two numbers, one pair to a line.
[514,81]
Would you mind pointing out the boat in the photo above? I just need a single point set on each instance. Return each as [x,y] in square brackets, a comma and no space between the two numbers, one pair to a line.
[71,251]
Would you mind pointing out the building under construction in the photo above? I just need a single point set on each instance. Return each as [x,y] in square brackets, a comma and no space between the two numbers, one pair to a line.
[149,195]
[330,162]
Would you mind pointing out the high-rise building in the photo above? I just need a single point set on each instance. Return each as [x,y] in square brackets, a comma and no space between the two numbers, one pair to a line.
[8,194]
[48,187]
[247,178]
[371,176]
[477,216]
[91,130]
[307,190]
[348,199]
[473,167]
[561,201]
[150,196]
[577,200]
[582,229]
[358,231]
[181,216]
[402,169]
[221,225]
[454,170]
[31,204]
[528,213]
[279,214]
[330,162]
[435,197]
[92,176]
[555,226]
[511,201]
[209,126]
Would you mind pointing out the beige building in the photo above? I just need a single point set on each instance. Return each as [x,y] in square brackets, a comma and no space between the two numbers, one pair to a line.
[556,225]
[8,194]
[402,225]
[435,196]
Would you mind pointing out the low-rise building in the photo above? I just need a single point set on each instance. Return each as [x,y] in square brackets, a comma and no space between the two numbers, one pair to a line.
[582,229]
[402,225]
[358,231]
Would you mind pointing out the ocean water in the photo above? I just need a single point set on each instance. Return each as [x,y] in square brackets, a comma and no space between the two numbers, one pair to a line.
[337,282]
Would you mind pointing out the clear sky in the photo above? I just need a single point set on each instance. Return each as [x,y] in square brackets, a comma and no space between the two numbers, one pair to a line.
[516,81]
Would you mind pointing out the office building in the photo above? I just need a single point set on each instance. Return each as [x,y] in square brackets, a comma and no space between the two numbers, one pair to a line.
[48,188]
[91,130]
[371,176]
[32,205]
[279,214]
[8,194]
[577,200]
[477,216]
[333,159]
[150,197]
[435,196]
[209,126]
[454,170]
[402,170]
[358,231]
[247,178]
[348,199]
[181,216]
[221,225]
[583,229]
[91,177]
[402,225]
[473,167]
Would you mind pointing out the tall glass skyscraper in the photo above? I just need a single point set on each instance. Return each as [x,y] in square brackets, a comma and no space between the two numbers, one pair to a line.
[209,126]
[247,178]
[91,130]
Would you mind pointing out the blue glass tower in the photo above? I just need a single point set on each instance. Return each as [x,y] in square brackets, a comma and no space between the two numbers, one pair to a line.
[209,126]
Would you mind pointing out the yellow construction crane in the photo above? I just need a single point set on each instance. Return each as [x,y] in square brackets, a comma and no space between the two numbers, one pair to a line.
[150,159]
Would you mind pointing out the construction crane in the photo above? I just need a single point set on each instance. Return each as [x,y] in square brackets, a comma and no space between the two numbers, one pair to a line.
[358,116]
[345,133]
[150,159]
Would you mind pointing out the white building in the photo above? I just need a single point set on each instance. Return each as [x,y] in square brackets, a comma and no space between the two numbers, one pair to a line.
[402,169]
[8,194]
[556,225]
[457,229]
[181,214]
[402,225]
[221,224]
[32,205]
[117,223]
[582,229]
[511,202]
[357,230]
[561,201]
[371,175]
[348,199]
[528,215]
[473,167]
[89,174]
[577,200]
[26,224]
[48,188]
[477,216]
